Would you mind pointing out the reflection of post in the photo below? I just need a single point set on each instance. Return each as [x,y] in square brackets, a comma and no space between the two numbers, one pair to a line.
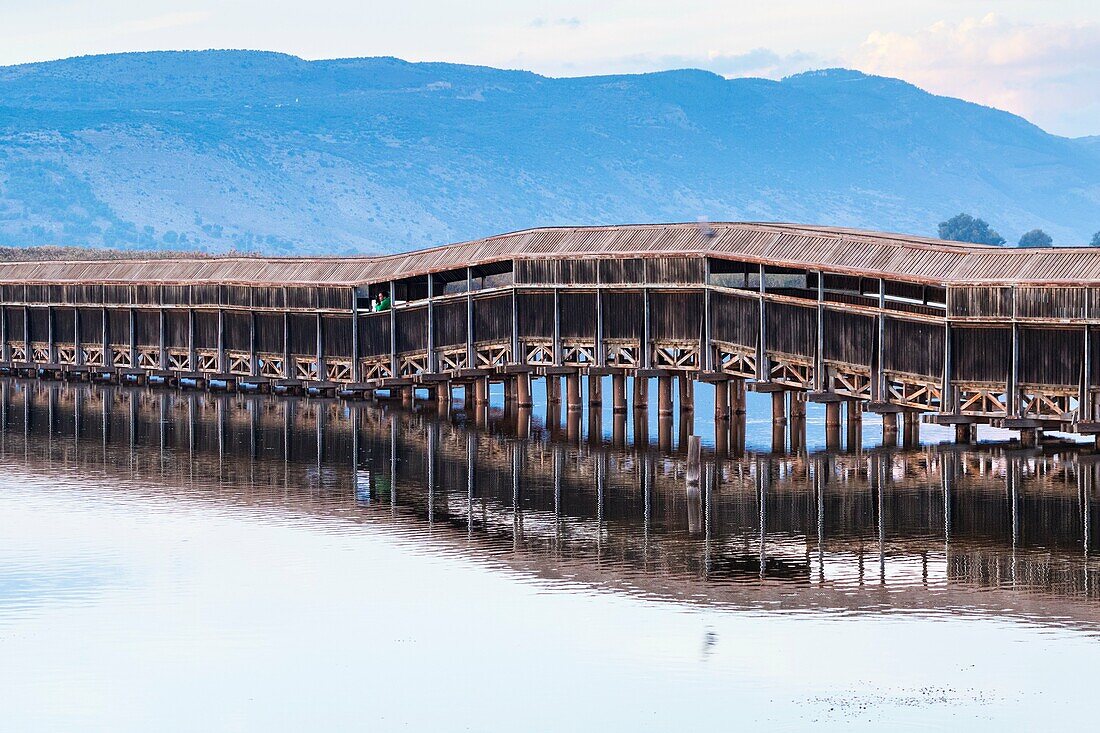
[573,426]
[947,478]
[641,427]
[432,441]
[721,438]
[890,429]
[737,436]
[763,478]
[820,474]
[855,426]
[471,462]
[618,430]
[523,423]
[878,473]
[911,436]
[779,437]
[595,425]
[691,475]
[664,433]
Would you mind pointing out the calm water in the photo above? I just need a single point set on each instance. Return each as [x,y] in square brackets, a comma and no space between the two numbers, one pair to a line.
[192,562]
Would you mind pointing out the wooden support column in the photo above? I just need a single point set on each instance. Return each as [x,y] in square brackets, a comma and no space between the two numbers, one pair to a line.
[356,367]
[192,353]
[407,396]
[573,391]
[618,392]
[722,400]
[394,371]
[5,350]
[705,351]
[288,368]
[1013,386]
[737,397]
[78,355]
[798,405]
[553,389]
[223,364]
[557,332]
[646,345]
[133,338]
[947,397]
[762,371]
[595,390]
[105,340]
[481,391]
[819,349]
[1084,399]
[779,407]
[429,360]
[641,393]
[664,395]
[523,390]
[471,357]
[163,339]
[598,347]
[253,360]
[832,414]
[322,372]
[890,423]
[878,382]
[687,392]
[50,339]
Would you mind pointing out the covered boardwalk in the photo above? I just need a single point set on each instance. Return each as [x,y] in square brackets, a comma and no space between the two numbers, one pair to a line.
[899,325]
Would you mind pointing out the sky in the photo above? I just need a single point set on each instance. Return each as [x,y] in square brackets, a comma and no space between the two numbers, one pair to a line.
[1036,58]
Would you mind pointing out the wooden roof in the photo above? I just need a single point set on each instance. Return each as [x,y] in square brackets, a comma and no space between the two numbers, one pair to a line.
[872,254]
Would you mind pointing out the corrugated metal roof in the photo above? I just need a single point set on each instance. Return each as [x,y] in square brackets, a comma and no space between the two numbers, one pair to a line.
[872,254]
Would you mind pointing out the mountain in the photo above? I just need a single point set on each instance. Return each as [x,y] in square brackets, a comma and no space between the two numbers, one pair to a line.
[232,149]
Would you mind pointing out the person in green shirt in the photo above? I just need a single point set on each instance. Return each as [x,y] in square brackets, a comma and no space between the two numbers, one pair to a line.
[381,303]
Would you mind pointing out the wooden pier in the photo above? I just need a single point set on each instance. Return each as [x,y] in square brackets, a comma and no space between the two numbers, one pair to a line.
[907,327]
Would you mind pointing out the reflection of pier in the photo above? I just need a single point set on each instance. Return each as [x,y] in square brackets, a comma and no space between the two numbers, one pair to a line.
[844,531]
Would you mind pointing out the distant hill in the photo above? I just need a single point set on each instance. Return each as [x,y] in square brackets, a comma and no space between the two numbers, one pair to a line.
[247,150]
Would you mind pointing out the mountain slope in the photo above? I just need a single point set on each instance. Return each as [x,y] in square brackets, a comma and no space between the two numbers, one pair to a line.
[259,150]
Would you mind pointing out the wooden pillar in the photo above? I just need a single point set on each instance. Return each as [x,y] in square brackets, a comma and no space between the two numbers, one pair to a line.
[322,372]
[779,407]
[964,433]
[595,390]
[192,354]
[641,393]
[687,392]
[443,393]
[737,397]
[523,390]
[664,395]
[78,355]
[133,338]
[253,359]
[553,389]
[481,391]
[618,392]
[889,422]
[407,395]
[722,400]
[573,391]
[356,370]
[288,371]
[798,405]
[832,414]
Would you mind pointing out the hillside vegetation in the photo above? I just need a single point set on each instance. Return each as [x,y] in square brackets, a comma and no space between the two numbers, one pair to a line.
[261,151]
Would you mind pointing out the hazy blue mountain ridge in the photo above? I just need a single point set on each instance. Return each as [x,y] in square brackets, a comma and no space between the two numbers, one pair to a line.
[244,149]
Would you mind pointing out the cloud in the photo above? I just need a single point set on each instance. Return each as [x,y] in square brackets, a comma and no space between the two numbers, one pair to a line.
[162,22]
[1047,72]
[556,23]
[759,62]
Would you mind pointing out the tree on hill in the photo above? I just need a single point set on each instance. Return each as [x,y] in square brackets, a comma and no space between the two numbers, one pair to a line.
[1036,238]
[965,228]
[1095,240]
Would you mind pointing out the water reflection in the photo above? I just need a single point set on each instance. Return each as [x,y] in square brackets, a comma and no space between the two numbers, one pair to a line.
[935,529]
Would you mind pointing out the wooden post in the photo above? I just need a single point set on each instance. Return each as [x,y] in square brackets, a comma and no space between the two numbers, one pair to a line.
[322,372]
[819,354]
[618,392]
[737,397]
[664,395]
[50,336]
[646,347]
[429,360]
[394,370]
[553,389]
[779,407]
[133,339]
[481,391]
[762,371]
[687,392]
[832,414]
[471,360]
[707,353]
[163,338]
[641,392]
[877,379]
[253,359]
[288,368]
[573,391]
[356,368]
[78,356]
[722,400]
[557,333]
[523,390]
[595,390]
[192,353]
